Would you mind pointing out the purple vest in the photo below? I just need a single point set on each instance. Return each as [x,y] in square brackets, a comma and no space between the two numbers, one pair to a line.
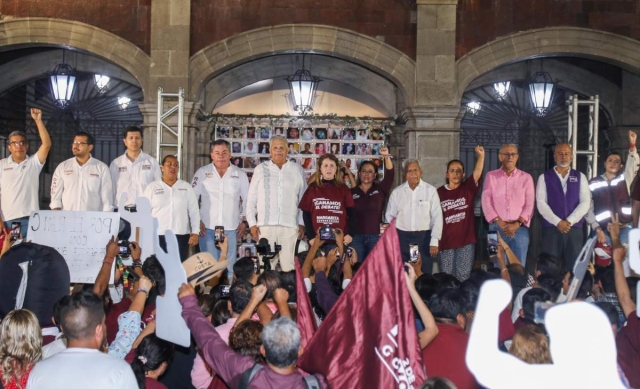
[562,204]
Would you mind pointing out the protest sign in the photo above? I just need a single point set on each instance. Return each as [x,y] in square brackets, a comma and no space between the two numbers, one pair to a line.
[81,238]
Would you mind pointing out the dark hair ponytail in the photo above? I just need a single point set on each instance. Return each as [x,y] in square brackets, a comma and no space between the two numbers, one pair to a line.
[150,354]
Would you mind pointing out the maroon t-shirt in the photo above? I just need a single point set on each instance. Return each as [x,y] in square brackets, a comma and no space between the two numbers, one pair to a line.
[328,205]
[628,344]
[445,356]
[370,205]
[459,228]
[150,383]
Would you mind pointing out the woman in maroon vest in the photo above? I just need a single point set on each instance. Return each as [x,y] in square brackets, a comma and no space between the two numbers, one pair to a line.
[327,201]
[458,244]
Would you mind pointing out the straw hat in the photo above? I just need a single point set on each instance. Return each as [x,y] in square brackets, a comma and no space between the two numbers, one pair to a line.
[202,267]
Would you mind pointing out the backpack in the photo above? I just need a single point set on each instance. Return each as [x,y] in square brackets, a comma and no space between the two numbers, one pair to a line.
[310,381]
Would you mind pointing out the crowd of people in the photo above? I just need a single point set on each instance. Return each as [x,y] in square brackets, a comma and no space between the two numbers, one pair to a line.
[245,330]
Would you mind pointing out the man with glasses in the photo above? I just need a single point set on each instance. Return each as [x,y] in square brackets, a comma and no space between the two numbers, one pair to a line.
[82,183]
[134,170]
[508,197]
[19,176]
[563,200]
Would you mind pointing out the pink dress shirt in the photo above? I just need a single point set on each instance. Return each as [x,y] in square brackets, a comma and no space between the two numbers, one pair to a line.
[509,197]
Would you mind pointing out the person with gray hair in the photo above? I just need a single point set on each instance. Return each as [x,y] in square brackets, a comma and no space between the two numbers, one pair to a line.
[508,198]
[222,189]
[19,173]
[275,191]
[280,347]
[415,205]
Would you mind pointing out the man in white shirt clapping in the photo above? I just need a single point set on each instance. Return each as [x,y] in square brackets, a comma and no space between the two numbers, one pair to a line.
[416,207]
[272,207]
[134,170]
[19,183]
[82,183]
[221,186]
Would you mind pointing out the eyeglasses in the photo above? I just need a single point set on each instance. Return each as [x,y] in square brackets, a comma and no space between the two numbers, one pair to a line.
[79,143]
[18,143]
[509,155]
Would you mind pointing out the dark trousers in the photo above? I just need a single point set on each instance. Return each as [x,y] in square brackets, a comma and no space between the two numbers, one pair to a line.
[422,239]
[566,246]
[183,245]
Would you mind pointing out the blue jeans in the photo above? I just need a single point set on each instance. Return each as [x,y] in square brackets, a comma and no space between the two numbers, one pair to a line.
[363,244]
[24,225]
[519,244]
[208,244]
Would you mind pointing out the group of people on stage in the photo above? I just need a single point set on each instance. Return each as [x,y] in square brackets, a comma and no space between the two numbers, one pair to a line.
[280,206]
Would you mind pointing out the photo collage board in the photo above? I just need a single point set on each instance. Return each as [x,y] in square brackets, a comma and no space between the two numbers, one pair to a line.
[250,145]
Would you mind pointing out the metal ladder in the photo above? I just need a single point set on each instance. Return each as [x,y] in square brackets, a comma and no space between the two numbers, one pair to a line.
[592,151]
[163,126]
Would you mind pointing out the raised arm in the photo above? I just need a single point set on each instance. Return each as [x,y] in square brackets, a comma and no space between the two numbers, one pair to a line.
[102,280]
[622,288]
[477,170]
[43,151]
[430,331]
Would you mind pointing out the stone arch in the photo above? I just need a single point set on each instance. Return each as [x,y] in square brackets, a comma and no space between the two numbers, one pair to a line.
[59,32]
[373,54]
[607,47]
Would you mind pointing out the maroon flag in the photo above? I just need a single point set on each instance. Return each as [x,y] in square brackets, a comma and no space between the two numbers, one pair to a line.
[369,339]
[306,319]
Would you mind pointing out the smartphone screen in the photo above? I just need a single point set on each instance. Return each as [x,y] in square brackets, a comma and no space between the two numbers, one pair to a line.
[219,234]
[15,230]
[413,253]
[492,242]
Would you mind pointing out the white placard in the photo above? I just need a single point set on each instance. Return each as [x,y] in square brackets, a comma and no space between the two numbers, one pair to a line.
[170,325]
[80,237]
[142,227]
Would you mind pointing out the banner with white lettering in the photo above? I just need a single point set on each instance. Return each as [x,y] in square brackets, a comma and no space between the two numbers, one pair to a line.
[81,238]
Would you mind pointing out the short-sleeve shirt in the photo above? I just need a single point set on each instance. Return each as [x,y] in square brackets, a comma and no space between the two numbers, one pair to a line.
[328,205]
[458,227]
[628,345]
[19,186]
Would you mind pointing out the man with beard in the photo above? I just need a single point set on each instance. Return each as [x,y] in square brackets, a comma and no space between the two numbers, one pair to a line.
[563,199]
[82,183]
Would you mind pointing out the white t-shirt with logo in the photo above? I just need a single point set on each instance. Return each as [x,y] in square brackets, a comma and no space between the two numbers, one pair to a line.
[175,207]
[19,185]
[133,177]
[82,188]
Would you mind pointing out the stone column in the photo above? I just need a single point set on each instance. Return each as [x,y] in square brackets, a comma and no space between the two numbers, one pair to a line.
[170,25]
[432,132]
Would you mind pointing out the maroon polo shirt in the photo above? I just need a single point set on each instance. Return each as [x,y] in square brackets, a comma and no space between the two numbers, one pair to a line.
[370,205]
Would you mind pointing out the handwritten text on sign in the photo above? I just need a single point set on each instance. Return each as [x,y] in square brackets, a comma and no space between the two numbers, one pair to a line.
[81,238]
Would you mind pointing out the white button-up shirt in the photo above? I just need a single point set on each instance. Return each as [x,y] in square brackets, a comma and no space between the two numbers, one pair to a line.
[577,214]
[416,210]
[82,188]
[132,177]
[175,207]
[19,184]
[221,205]
[274,195]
